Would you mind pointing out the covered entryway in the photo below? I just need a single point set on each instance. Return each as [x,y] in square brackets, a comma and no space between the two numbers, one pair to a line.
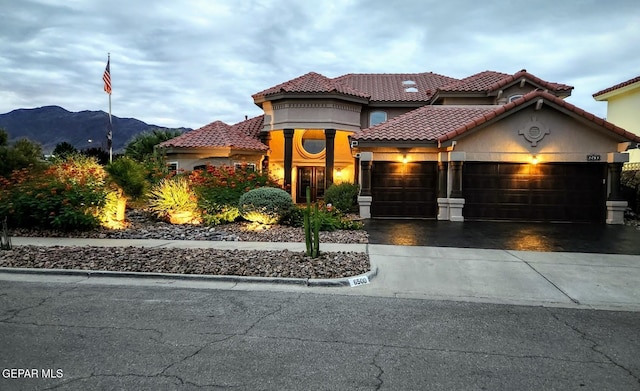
[403,189]
[572,192]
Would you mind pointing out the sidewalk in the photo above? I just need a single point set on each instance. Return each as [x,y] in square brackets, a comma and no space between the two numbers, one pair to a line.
[562,279]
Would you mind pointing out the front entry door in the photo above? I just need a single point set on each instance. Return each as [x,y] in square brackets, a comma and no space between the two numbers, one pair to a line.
[312,177]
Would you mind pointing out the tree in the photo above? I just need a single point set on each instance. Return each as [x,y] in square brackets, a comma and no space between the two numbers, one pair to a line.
[100,154]
[23,153]
[4,138]
[142,145]
[64,149]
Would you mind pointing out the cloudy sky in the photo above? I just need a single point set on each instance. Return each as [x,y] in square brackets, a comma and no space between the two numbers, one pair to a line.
[190,62]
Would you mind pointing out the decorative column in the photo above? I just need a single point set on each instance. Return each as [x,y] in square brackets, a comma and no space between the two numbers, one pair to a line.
[456,183]
[329,136]
[288,158]
[265,138]
[616,205]
[456,201]
[365,198]
[615,173]
[443,201]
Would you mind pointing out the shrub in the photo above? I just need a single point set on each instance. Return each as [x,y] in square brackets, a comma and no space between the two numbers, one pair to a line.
[342,196]
[172,195]
[129,175]
[265,205]
[66,196]
[219,190]
[330,220]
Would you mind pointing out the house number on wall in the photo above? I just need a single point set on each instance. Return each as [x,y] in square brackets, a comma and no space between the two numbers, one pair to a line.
[593,158]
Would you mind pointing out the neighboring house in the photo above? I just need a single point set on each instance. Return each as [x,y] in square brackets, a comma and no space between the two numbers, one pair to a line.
[492,146]
[623,109]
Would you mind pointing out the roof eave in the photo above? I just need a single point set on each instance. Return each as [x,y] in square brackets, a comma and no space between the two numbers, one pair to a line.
[610,94]
[317,95]
[396,143]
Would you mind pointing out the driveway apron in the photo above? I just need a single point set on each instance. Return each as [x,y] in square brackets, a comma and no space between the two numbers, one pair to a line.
[544,237]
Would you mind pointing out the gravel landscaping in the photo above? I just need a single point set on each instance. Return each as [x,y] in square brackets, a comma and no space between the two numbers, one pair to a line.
[193,261]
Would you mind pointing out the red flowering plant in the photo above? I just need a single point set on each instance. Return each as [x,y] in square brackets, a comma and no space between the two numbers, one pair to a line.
[219,189]
[65,196]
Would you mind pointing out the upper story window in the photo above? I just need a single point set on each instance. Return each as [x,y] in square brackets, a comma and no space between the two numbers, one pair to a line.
[377,117]
[514,97]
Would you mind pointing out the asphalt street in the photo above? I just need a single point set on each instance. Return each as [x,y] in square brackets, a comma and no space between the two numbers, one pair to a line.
[89,336]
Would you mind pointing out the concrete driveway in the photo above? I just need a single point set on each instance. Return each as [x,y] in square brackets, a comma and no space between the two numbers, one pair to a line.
[543,237]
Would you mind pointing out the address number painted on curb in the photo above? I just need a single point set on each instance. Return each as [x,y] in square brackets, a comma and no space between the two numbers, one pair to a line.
[357,281]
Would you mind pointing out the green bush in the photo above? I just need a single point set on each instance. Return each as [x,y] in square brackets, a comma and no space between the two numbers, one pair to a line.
[342,196]
[129,175]
[219,190]
[265,205]
[68,195]
[330,220]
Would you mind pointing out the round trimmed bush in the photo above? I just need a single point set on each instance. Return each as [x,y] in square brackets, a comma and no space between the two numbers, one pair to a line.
[264,205]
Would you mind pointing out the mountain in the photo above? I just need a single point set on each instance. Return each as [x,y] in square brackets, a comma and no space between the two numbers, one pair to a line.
[51,125]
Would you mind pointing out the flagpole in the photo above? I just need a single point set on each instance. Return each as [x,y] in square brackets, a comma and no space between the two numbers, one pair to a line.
[110,122]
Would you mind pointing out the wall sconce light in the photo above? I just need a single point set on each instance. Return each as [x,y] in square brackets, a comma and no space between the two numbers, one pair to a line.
[404,158]
[534,160]
[338,172]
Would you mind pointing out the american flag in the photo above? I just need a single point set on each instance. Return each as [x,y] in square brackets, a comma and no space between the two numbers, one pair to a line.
[107,78]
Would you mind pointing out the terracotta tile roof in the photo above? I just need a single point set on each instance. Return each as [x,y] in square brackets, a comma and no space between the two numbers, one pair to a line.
[442,123]
[384,87]
[216,134]
[311,83]
[251,127]
[529,98]
[620,85]
[424,124]
[488,81]
[480,82]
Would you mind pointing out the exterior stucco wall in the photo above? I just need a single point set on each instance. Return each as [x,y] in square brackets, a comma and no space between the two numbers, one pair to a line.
[568,140]
[624,110]
[187,161]
[343,159]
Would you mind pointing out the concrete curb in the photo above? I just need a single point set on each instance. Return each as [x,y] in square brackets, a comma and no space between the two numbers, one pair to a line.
[328,282]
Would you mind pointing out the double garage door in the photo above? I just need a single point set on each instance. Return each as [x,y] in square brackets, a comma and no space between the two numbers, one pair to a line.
[495,191]
[526,192]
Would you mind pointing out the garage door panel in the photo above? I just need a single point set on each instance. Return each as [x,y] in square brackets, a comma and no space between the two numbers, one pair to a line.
[543,192]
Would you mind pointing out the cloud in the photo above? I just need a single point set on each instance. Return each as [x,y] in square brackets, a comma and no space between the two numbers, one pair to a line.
[189,63]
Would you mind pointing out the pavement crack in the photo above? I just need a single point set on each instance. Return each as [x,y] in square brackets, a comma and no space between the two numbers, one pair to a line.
[13,313]
[575,301]
[425,349]
[595,346]
[380,373]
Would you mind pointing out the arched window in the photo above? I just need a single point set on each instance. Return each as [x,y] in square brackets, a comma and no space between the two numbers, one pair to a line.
[377,117]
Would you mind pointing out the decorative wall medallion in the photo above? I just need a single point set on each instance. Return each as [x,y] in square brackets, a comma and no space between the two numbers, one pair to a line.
[534,131]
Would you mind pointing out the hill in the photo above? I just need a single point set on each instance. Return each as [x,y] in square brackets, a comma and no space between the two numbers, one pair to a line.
[50,125]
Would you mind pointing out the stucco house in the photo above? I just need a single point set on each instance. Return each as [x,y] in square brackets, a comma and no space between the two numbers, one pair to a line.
[492,146]
[623,109]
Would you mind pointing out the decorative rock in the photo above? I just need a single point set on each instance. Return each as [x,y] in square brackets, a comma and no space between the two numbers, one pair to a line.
[193,261]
